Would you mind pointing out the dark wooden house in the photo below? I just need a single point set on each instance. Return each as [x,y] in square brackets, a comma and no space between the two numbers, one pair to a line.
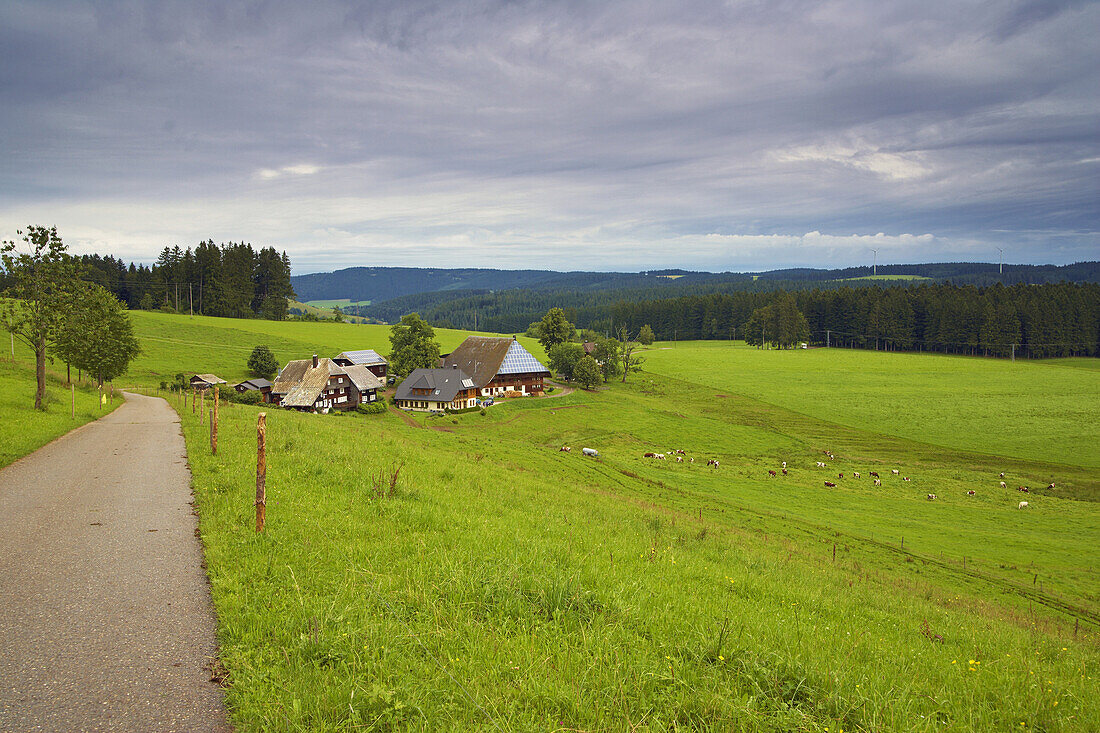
[498,365]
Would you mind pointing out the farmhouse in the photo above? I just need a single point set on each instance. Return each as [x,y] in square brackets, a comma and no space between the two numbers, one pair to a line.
[436,389]
[205,381]
[263,386]
[317,384]
[498,365]
[368,358]
[366,383]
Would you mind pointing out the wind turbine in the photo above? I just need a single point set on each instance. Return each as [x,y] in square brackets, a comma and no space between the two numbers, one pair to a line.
[874,270]
[1001,269]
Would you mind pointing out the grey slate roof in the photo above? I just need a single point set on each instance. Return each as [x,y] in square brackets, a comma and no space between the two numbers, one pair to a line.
[444,383]
[483,357]
[255,383]
[363,357]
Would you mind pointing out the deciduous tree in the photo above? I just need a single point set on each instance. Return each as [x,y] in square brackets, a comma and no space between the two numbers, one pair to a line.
[96,334]
[555,328]
[413,345]
[262,362]
[586,372]
[42,283]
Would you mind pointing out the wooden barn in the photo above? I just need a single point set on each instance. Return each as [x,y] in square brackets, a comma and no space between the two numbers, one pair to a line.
[205,381]
[498,365]
[436,389]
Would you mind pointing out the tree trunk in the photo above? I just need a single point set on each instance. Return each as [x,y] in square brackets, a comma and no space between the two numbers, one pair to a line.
[40,373]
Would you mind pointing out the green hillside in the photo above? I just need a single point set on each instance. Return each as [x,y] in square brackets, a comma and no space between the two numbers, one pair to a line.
[505,584]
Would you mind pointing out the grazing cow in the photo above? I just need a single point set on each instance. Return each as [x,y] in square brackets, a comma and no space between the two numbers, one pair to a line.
[660,456]
[679,459]
[931,497]
[895,471]
[821,464]
[1023,489]
[874,474]
[856,474]
[1002,474]
[970,493]
[713,462]
[830,485]
[878,482]
[904,478]
[1051,485]
[564,449]
[840,475]
[784,464]
[680,452]
[691,460]
[1023,505]
[1004,485]
[649,455]
[771,473]
[784,472]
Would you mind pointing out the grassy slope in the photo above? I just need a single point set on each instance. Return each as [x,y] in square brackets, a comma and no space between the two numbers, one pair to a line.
[24,429]
[570,593]
[1022,409]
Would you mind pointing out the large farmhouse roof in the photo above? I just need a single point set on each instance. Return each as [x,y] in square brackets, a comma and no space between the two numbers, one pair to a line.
[443,383]
[302,383]
[362,357]
[362,378]
[484,357]
[208,378]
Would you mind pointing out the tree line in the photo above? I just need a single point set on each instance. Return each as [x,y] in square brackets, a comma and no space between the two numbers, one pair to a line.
[233,280]
[1035,321]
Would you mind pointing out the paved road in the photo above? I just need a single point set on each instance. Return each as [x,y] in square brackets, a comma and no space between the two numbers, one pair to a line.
[105,614]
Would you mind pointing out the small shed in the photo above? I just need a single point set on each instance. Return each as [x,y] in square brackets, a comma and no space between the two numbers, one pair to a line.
[257,384]
[205,381]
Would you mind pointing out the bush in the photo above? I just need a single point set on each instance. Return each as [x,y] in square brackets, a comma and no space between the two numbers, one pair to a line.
[251,397]
[371,408]
[483,412]
[550,390]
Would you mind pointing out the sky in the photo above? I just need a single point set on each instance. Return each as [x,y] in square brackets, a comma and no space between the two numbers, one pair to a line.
[625,136]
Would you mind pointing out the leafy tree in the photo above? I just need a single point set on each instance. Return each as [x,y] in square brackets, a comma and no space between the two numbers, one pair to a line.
[412,345]
[554,328]
[646,336]
[563,358]
[608,355]
[146,303]
[533,330]
[337,315]
[262,363]
[629,361]
[43,281]
[586,372]
[587,335]
[96,334]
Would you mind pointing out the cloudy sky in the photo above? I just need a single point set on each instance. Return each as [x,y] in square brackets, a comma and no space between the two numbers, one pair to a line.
[558,135]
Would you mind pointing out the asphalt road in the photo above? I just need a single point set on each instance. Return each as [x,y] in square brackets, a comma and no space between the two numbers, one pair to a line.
[106,621]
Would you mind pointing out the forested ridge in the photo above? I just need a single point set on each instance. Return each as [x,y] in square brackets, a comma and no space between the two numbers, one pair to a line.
[1054,319]
[232,280]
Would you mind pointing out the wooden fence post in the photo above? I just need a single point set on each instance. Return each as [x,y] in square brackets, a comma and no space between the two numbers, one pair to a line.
[261,471]
[202,406]
[73,386]
[194,390]
[214,425]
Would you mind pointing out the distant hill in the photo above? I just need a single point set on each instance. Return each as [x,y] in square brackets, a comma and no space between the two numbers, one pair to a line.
[379,284]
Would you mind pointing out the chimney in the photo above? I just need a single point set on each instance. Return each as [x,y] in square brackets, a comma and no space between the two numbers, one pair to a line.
[454,366]
[513,337]
[314,361]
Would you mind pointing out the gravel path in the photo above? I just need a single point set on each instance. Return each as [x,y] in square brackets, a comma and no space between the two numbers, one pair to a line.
[105,614]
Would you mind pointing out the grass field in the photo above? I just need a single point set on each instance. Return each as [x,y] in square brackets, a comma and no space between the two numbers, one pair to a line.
[338,303]
[24,429]
[1042,411]
[506,585]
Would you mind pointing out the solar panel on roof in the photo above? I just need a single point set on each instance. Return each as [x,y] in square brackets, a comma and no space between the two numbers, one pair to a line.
[364,357]
[519,361]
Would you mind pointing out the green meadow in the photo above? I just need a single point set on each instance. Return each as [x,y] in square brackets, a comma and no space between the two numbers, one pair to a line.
[338,303]
[498,583]
[1045,411]
[24,429]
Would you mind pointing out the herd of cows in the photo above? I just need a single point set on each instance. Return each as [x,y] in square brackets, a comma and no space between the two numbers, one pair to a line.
[680,456]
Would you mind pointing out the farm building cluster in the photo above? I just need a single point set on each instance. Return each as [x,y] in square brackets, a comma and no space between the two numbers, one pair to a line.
[481,367]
